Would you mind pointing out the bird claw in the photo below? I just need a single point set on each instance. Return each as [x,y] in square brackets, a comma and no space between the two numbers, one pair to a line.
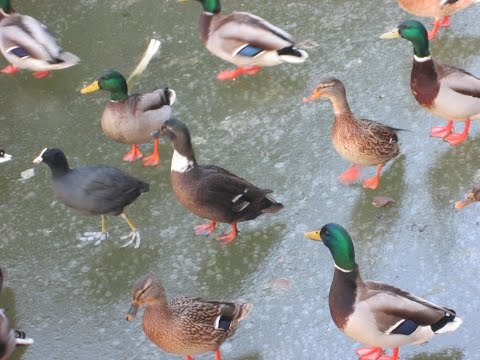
[134,236]
[96,236]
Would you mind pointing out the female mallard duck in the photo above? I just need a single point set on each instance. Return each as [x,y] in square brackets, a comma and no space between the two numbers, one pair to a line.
[360,141]
[212,192]
[245,40]
[8,337]
[438,9]
[131,119]
[4,157]
[373,313]
[94,190]
[27,44]
[187,326]
[447,92]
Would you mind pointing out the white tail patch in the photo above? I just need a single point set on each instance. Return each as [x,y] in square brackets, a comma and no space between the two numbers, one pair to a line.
[172,96]
[295,59]
[451,326]
[39,158]
[180,163]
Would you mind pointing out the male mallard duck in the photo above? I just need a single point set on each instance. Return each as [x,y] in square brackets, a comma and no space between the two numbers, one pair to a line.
[360,141]
[4,157]
[131,119]
[373,313]
[187,326]
[447,92]
[245,40]
[212,192]
[470,198]
[438,9]
[94,190]
[8,337]
[27,44]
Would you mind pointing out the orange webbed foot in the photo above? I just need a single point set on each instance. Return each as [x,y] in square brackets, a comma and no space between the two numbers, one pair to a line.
[133,155]
[350,175]
[10,69]
[458,138]
[154,158]
[232,74]
[369,353]
[40,74]
[205,229]
[228,237]
[442,131]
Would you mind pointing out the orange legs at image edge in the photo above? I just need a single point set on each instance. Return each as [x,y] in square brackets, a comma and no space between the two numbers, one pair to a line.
[10,69]
[217,356]
[375,353]
[437,24]
[232,74]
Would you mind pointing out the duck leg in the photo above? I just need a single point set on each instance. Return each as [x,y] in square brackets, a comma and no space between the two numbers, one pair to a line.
[232,74]
[96,236]
[442,131]
[205,229]
[133,155]
[134,235]
[228,237]
[369,353]
[393,357]
[217,355]
[372,183]
[154,158]
[350,175]
[188,357]
[40,74]
[10,69]
[458,138]
[437,24]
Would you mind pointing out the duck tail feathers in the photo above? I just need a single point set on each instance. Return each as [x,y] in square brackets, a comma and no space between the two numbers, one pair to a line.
[144,187]
[270,206]
[450,322]
[244,310]
[65,60]
[292,55]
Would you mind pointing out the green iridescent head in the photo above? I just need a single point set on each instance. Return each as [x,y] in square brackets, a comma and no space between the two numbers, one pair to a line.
[5,6]
[413,31]
[112,81]
[211,6]
[337,240]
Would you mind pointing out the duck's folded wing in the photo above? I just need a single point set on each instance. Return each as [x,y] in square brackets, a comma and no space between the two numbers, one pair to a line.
[459,80]
[396,310]
[221,187]
[243,33]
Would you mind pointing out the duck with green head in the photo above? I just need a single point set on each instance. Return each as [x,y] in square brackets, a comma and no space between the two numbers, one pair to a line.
[245,40]
[373,313]
[440,10]
[27,44]
[446,91]
[132,119]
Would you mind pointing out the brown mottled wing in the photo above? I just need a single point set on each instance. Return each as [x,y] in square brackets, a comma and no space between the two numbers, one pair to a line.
[391,305]
[379,131]
[240,28]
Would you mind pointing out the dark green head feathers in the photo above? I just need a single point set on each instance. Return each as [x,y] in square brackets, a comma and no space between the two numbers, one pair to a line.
[211,6]
[5,6]
[112,81]
[337,240]
[413,31]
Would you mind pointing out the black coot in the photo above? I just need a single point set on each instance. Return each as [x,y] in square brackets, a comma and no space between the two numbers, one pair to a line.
[94,190]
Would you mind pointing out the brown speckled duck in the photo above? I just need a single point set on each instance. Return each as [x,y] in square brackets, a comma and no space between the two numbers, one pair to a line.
[131,119]
[187,326]
[245,40]
[377,314]
[440,10]
[446,91]
[27,44]
[362,142]
[212,192]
